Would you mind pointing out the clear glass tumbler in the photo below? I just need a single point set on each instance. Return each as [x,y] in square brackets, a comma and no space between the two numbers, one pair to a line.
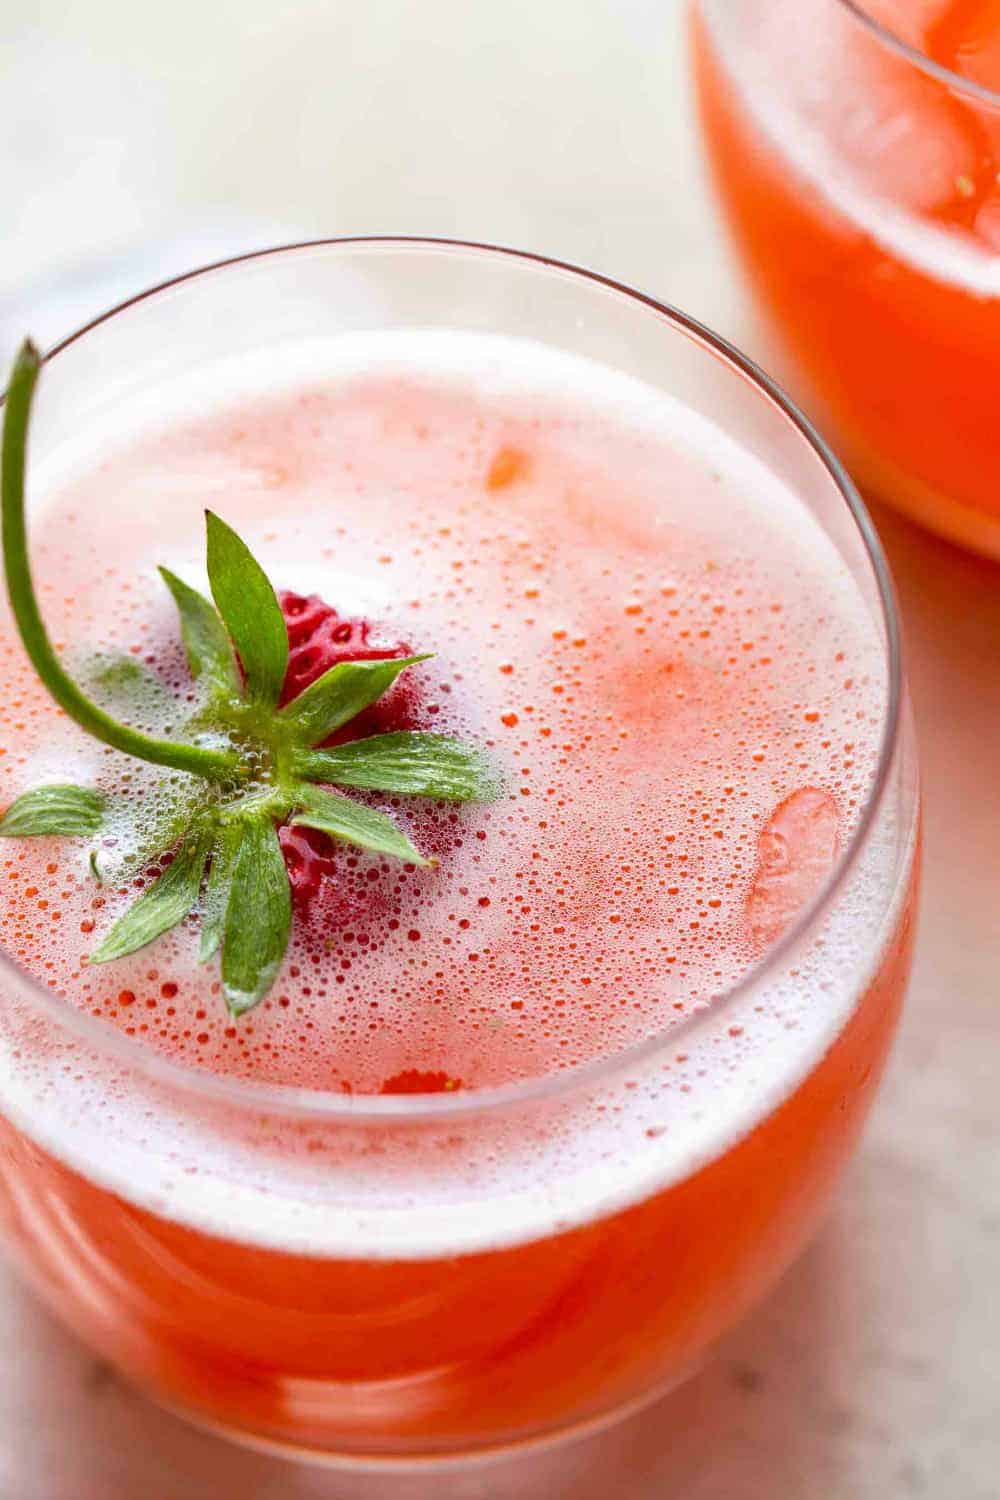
[412,1278]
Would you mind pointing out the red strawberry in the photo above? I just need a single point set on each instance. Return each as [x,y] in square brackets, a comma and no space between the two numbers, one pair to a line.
[308,860]
[319,638]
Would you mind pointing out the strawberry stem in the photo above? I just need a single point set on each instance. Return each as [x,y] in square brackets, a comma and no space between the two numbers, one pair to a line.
[214,764]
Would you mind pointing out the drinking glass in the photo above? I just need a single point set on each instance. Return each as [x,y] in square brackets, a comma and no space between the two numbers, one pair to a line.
[860,180]
[419,1279]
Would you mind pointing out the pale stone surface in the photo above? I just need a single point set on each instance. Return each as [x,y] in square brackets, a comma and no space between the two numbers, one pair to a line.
[872,1373]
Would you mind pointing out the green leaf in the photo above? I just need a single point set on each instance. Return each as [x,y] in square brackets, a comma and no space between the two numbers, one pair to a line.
[340,694]
[353,823]
[70,810]
[162,905]
[250,610]
[209,650]
[216,898]
[416,764]
[258,917]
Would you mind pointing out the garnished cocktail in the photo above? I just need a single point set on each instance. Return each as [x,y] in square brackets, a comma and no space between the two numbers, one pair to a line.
[539,900]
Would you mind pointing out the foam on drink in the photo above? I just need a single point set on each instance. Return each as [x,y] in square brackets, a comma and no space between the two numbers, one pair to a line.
[684,690]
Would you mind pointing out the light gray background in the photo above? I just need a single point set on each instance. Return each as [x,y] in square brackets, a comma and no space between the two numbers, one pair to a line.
[136,139]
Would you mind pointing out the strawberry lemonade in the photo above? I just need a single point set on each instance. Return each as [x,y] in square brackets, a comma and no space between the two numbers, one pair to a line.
[535,1103]
[859,169]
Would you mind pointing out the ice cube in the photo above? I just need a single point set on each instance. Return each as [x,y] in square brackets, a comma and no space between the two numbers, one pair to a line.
[885,128]
[796,851]
[905,138]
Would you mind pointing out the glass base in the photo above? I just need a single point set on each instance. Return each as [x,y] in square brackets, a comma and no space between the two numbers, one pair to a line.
[427,1463]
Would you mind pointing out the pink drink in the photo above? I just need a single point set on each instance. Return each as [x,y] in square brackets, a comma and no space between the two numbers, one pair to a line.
[686,694]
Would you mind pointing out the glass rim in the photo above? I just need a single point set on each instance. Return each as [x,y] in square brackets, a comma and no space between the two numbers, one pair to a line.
[318,1104]
[951,80]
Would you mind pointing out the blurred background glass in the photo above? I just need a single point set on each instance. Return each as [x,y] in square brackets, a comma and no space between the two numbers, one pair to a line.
[859,168]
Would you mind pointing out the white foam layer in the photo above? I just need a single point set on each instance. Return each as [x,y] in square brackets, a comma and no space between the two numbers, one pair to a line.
[501,369]
[461,1185]
[777,56]
[463,1182]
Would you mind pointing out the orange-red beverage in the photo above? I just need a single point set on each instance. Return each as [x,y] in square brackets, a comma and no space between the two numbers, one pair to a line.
[857,158]
[513,1138]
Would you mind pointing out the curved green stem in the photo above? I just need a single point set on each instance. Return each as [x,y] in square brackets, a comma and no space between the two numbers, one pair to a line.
[217,765]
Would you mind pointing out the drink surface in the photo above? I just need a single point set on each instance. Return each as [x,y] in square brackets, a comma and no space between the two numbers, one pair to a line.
[661,650]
